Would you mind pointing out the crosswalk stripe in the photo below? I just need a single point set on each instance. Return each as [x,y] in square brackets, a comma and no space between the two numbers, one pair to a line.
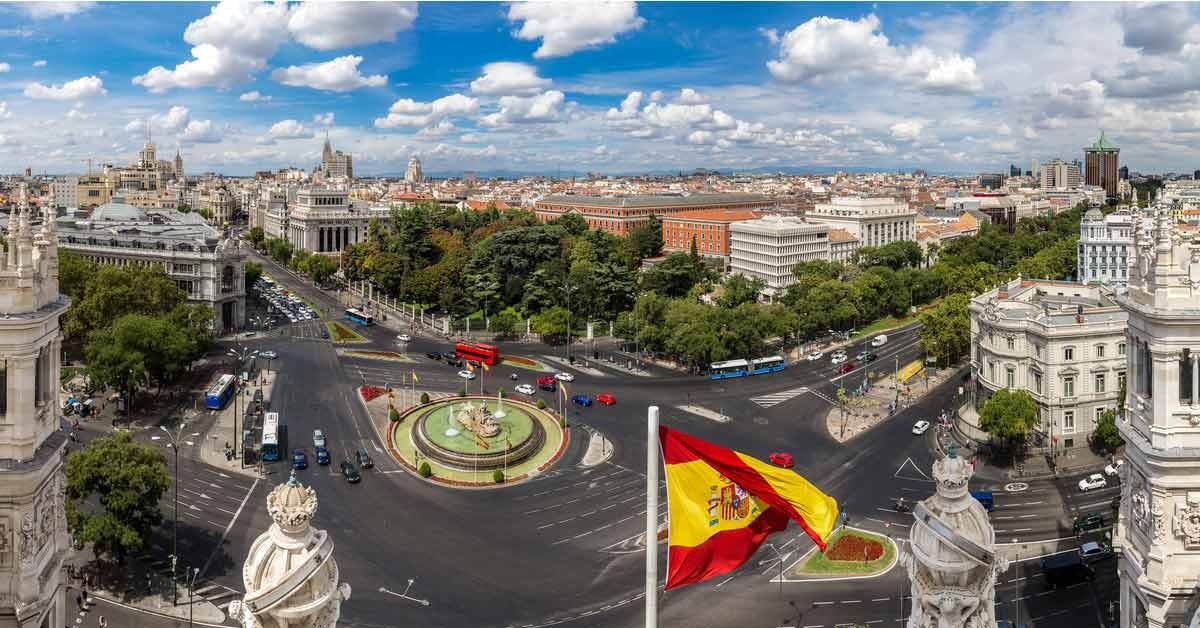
[774,399]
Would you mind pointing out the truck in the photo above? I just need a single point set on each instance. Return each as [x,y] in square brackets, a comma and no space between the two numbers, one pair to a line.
[1066,569]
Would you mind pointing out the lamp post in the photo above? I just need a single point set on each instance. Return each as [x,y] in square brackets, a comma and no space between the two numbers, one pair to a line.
[568,289]
[174,444]
[191,588]
[241,357]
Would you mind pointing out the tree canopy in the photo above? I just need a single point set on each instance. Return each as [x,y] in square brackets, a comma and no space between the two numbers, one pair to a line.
[1009,415]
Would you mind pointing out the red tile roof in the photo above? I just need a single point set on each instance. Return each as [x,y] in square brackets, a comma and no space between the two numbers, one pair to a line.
[715,215]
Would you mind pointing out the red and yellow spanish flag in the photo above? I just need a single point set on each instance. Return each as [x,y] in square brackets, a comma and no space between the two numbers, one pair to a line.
[723,504]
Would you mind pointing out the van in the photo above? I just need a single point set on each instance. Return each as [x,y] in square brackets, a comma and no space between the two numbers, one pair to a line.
[985,498]
[1066,569]
[1088,521]
[879,341]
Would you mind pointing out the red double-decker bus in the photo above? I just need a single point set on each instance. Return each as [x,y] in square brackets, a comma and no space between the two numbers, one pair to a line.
[488,354]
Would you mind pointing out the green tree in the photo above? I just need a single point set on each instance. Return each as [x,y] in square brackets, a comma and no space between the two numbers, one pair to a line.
[675,275]
[126,480]
[739,289]
[552,322]
[946,329]
[256,236]
[504,323]
[74,273]
[320,268]
[894,255]
[254,272]
[646,238]
[1106,437]
[573,223]
[114,292]
[1009,415]
[184,208]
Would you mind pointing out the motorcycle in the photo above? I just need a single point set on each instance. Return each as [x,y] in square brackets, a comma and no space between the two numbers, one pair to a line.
[513,376]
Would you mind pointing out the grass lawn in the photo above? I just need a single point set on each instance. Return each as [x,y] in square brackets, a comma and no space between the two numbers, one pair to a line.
[341,333]
[818,564]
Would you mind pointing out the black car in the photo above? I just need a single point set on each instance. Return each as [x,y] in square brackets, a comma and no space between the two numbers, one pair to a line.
[869,357]
[1088,521]
[364,460]
[449,355]
[350,472]
[433,355]
[455,362]
[325,334]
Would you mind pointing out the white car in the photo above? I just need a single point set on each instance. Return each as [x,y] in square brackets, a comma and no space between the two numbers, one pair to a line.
[838,358]
[920,426]
[268,354]
[564,377]
[814,356]
[879,341]
[403,338]
[1114,469]
[318,438]
[1092,481]
[525,389]
[466,374]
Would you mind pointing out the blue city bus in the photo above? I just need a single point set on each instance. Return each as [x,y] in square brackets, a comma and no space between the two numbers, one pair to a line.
[359,317]
[270,437]
[768,365]
[220,393]
[729,368]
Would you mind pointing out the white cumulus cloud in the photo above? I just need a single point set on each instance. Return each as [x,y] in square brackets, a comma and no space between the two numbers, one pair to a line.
[200,132]
[40,63]
[507,78]
[289,129]
[339,75]
[79,89]
[254,96]
[545,107]
[331,25]
[907,129]
[4,67]
[407,112]
[324,119]
[567,27]
[43,10]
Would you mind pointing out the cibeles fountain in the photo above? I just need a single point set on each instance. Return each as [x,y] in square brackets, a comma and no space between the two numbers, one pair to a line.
[477,434]
[290,575]
[952,562]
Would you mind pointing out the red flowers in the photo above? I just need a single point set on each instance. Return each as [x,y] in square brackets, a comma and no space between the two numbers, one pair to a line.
[371,392]
[850,546]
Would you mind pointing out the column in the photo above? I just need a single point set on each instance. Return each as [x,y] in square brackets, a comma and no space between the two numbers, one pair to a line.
[1195,378]
[345,238]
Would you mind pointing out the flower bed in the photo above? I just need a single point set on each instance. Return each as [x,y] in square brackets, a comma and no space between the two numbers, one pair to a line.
[519,360]
[854,547]
[376,354]
[370,393]
[341,333]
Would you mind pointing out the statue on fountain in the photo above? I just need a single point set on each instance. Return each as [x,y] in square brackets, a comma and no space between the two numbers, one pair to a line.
[478,420]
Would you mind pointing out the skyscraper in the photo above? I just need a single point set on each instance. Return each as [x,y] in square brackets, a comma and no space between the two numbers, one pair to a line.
[1013,170]
[1101,165]
[1123,173]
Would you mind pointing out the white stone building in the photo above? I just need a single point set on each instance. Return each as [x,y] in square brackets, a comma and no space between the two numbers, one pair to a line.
[1057,173]
[32,511]
[1062,342]
[874,221]
[1158,530]
[413,174]
[211,270]
[323,220]
[65,190]
[336,164]
[1105,246]
[769,247]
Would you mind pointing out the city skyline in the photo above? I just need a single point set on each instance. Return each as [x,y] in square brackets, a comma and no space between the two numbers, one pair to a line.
[540,88]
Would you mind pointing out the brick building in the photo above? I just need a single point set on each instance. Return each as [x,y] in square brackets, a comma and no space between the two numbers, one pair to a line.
[620,215]
[708,227]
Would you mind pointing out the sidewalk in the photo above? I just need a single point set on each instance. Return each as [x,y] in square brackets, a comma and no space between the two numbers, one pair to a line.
[212,449]
[128,589]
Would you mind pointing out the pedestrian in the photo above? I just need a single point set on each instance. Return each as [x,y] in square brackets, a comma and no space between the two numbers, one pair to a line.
[103,622]
[79,601]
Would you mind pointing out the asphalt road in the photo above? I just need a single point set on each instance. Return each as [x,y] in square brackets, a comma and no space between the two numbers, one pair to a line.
[557,550]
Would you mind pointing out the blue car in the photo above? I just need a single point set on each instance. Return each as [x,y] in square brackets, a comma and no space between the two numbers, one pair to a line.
[299,459]
[322,456]
[581,400]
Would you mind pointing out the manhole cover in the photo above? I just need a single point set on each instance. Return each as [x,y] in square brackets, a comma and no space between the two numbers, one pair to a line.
[759,420]
[1016,487]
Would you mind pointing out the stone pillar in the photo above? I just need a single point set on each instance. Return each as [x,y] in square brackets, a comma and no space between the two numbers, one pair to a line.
[589,330]
[1195,379]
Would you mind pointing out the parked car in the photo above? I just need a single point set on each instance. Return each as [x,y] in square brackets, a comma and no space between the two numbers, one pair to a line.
[525,389]
[454,361]
[465,374]
[322,456]
[606,399]
[403,338]
[433,355]
[814,356]
[862,356]
[1088,521]
[879,341]
[581,400]
[782,459]
[1092,551]
[268,354]
[1114,469]
[846,367]
[920,427]
[299,459]
[565,377]
[324,334]
[1092,481]
[547,382]
[838,358]
[350,472]
[364,459]
[318,438]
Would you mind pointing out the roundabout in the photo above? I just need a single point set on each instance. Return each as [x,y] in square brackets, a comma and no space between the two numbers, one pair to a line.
[476,441]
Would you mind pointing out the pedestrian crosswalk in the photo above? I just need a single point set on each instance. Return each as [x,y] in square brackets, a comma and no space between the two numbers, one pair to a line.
[774,399]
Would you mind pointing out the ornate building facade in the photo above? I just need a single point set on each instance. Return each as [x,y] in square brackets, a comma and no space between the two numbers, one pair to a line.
[290,575]
[33,526]
[1158,531]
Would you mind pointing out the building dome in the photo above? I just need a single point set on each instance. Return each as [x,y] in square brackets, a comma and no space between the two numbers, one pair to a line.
[1093,214]
[118,210]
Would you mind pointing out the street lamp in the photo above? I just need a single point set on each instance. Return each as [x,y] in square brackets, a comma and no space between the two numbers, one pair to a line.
[191,588]
[174,444]
[241,356]
[568,289]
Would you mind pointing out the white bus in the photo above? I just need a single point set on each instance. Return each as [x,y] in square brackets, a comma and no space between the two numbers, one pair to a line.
[270,437]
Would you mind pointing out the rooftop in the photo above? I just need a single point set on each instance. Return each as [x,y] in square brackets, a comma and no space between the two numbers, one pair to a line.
[654,200]
[1101,144]
[715,215]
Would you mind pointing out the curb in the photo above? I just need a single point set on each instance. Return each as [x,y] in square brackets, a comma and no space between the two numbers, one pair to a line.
[145,611]
[883,572]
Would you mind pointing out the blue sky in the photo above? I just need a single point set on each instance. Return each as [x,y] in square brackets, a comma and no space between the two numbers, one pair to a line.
[614,87]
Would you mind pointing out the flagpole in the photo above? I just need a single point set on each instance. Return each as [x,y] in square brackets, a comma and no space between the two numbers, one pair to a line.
[652,517]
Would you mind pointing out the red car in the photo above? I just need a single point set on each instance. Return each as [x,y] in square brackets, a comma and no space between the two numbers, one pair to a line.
[606,399]
[782,459]
[547,382]
[846,367]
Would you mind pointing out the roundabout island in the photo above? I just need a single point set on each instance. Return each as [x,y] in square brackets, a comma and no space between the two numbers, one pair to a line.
[476,442]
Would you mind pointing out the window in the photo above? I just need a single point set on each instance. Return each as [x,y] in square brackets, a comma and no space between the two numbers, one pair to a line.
[1010,377]
[1068,354]
[41,376]
[1099,351]
[992,371]
[1037,350]
[1037,381]
[1068,422]
[1096,418]
[1121,348]
[1012,344]
[1069,386]
[1120,379]
[1185,377]
[1099,382]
